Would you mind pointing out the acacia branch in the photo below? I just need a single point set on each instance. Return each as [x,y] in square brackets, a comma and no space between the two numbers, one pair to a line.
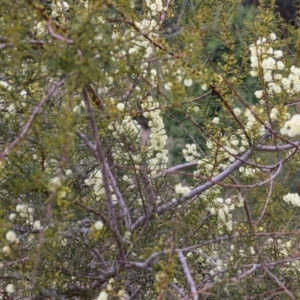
[101,160]
[276,148]
[31,119]
[188,275]
[123,207]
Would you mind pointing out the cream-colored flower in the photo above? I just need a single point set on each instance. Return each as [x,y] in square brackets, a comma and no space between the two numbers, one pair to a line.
[10,289]
[102,296]
[98,225]
[120,106]
[11,236]
[188,82]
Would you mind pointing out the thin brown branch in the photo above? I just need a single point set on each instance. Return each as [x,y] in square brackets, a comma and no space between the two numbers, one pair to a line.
[146,36]
[124,210]
[246,205]
[218,93]
[188,275]
[266,204]
[31,119]
[56,35]
[280,284]
[96,98]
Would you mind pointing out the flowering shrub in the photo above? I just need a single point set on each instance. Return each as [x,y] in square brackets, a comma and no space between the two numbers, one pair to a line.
[93,206]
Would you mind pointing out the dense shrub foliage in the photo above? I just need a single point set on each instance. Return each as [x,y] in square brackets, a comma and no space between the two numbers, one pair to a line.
[147,149]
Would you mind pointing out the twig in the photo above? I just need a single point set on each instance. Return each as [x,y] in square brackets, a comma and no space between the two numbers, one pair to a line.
[240,236]
[266,204]
[178,289]
[97,99]
[63,9]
